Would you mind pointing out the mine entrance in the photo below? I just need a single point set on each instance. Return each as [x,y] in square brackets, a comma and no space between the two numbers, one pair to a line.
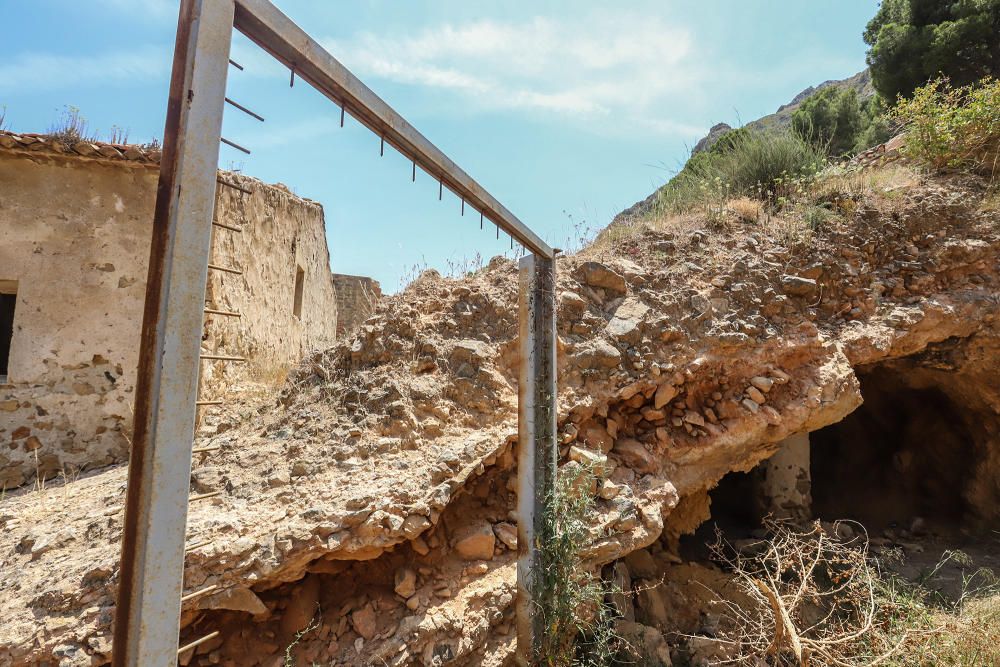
[905,453]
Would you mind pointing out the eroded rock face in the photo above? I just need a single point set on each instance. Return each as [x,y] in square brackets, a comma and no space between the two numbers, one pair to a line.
[385,471]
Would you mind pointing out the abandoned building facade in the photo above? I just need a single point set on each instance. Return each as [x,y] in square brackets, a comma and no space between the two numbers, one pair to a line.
[75,231]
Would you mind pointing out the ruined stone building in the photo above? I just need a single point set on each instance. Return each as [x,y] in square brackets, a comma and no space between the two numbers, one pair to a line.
[75,230]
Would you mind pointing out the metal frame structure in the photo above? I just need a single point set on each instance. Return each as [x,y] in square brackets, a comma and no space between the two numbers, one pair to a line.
[153,545]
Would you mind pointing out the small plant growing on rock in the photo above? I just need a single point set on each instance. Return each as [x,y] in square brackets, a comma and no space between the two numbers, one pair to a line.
[570,597]
[71,127]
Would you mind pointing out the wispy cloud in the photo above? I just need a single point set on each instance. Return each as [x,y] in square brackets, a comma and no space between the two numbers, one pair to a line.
[35,72]
[599,67]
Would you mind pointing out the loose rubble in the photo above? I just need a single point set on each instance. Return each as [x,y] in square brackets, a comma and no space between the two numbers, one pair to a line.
[368,513]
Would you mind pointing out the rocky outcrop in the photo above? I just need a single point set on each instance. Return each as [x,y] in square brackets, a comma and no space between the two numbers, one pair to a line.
[371,508]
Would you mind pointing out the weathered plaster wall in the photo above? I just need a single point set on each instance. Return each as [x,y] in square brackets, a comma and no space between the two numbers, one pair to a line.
[281,234]
[357,297]
[74,236]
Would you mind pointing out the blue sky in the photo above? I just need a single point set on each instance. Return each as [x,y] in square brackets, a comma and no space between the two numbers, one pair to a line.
[567,112]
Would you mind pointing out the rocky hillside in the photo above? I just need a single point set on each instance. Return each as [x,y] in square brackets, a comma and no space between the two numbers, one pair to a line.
[367,514]
[780,119]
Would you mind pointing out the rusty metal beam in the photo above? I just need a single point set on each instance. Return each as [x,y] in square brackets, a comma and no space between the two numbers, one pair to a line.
[537,451]
[277,34]
[152,562]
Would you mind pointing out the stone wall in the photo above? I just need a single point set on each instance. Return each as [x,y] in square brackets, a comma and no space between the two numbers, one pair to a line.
[74,247]
[357,297]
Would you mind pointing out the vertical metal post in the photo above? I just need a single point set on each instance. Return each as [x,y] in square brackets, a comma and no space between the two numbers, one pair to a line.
[537,452]
[152,562]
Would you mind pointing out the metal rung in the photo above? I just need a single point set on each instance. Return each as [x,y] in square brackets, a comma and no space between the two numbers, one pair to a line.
[236,64]
[227,269]
[222,357]
[227,313]
[245,110]
[234,145]
[202,450]
[229,227]
[198,642]
[191,596]
[242,189]
[197,545]
[204,403]
[202,496]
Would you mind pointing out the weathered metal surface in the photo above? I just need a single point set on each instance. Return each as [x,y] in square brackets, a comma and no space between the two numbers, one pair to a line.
[148,611]
[274,32]
[537,452]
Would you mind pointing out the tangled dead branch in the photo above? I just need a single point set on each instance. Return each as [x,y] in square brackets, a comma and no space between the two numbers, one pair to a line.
[815,600]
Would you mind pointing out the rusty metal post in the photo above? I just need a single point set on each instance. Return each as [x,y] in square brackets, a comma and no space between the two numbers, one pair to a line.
[537,452]
[152,561]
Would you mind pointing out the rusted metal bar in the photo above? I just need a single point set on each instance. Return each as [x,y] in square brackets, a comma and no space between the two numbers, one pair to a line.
[225,313]
[147,615]
[233,186]
[204,450]
[221,357]
[537,452]
[229,227]
[204,403]
[227,269]
[204,591]
[197,642]
[245,110]
[234,145]
[203,496]
[274,32]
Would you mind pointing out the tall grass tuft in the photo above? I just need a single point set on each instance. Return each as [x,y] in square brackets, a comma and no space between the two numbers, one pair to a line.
[765,165]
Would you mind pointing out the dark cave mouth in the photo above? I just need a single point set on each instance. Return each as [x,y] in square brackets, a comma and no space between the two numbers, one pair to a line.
[903,459]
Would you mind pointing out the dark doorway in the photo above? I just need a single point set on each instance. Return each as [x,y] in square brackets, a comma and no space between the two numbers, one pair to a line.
[7,302]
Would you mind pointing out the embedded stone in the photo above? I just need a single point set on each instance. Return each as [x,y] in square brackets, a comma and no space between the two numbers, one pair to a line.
[475,541]
[596,274]
[405,582]
[664,394]
[506,533]
[635,455]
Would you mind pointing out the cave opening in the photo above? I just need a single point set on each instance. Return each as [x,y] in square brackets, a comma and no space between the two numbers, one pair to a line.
[905,454]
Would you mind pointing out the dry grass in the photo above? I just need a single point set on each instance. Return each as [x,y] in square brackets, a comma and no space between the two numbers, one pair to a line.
[745,209]
[970,638]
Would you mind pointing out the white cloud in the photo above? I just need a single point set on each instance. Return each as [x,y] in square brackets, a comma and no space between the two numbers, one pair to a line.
[33,72]
[609,68]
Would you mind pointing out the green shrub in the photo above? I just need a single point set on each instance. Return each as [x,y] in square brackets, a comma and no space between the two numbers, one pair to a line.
[953,127]
[766,165]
